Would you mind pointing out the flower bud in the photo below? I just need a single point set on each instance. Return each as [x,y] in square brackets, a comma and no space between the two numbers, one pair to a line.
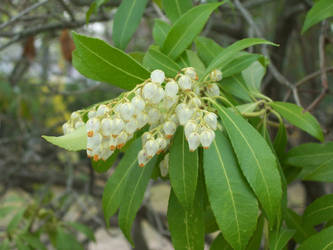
[191,73]
[149,91]
[94,141]
[122,139]
[154,115]
[146,137]
[185,82]
[106,126]
[127,111]
[206,137]
[92,126]
[138,103]
[75,116]
[190,127]
[79,124]
[102,110]
[112,143]
[195,102]
[92,114]
[142,158]
[131,126]
[162,144]
[117,126]
[213,90]
[171,89]
[142,119]
[151,148]
[184,115]
[193,141]
[158,96]
[211,120]
[105,154]
[66,128]
[216,75]
[164,166]
[168,102]
[157,76]
[169,128]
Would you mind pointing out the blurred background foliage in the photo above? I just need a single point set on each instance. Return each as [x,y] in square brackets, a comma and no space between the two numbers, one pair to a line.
[43,189]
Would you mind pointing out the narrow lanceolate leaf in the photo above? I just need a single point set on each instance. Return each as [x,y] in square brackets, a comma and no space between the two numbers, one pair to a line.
[257,161]
[255,241]
[98,60]
[33,241]
[322,172]
[183,169]
[321,10]
[75,141]
[160,31]
[319,211]
[186,29]
[132,197]
[279,239]
[88,232]
[236,86]
[195,62]
[220,243]
[294,221]
[322,240]
[115,186]
[207,49]
[155,59]
[126,21]
[239,64]
[296,116]
[65,240]
[226,55]
[310,154]
[176,8]
[253,75]
[280,140]
[186,225]
[232,201]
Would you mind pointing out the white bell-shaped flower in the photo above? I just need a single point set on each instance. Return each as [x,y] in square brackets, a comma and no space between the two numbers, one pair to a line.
[162,144]
[154,115]
[168,102]
[75,116]
[92,126]
[92,114]
[79,124]
[106,125]
[174,118]
[169,128]
[164,166]
[190,127]
[211,120]
[138,103]
[122,139]
[158,96]
[206,137]
[171,89]
[216,75]
[191,73]
[142,119]
[213,90]
[157,76]
[151,148]
[131,126]
[149,91]
[112,143]
[117,126]
[127,111]
[102,110]
[94,141]
[105,154]
[185,82]
[66,128]
[142,158]
[195,102]
[184,115]
[193,141]
[146,136]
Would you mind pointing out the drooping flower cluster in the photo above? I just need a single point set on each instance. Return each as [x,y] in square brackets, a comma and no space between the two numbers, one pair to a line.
[162,103]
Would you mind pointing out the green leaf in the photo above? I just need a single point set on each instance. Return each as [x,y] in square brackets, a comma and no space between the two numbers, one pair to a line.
[296,116]
[321,10]
[322,172]
[154,59]
[160,31]
[5,245]
[280,141]
[246,108]
[21,245]
[257,161]
[115,186]
[75,141]
[207,49]
[255,241]
[195,62]
[65,241]
[210,221]
[294,221]
[183,169]
[101,166]
[220,243]
[236,86]
[232,201]
[136,184]
[253,75]
[98,60]
[88,232]
[310,154]
[138,56]
[176,8]
[322,240]
[33,241]
[4,211]
[225,56]
[186,225]
[279,239]
[319,211]
[126,21]
[15,221]
[239,64]
[187,27]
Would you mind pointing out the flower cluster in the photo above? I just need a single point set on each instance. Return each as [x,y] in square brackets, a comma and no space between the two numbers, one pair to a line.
[160,102]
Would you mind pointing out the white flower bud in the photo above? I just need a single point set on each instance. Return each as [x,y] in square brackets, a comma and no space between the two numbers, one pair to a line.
[216,75]
[206,137]
[169,128]
[131,126]
[102,110]
[146,137]
[105,154]
[142,158]
[151,148]
[79,124]
[92,114]
[193,141]
[149,91]
[191,73]
[213,90]
[89,153]
[185,82]
[138,92]
[190,127]
[168,102]
[164,166]
[127,111]
[92,126]
[158,96]
[112,143]
[75,116]
[184,115]
[138,103]
[154,115]
[122,139]
[171,89]
[162,144]
[197,91]
[174,118]
[142,119]
[117,126]
[66,128]
[106,125]
[94,141]
[157,76]
[211,120]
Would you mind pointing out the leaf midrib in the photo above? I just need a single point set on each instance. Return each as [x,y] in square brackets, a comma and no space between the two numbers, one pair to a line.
[126,21]
[319,210]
